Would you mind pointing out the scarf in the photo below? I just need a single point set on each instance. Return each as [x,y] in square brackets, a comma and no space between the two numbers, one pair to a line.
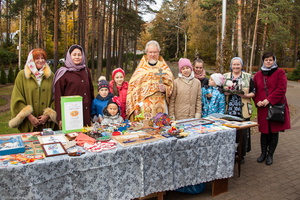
[69,66]
[201,76]
[31,65]
[269,70]
[109,96]
[187,79]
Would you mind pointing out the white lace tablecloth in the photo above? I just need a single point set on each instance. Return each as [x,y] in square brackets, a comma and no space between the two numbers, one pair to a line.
[124,172]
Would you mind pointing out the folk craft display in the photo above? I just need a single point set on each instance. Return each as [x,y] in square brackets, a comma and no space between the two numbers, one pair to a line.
[54,149]
[11,145]
[135,138]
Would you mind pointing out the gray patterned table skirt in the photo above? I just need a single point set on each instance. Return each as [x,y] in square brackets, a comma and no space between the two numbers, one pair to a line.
[124,173]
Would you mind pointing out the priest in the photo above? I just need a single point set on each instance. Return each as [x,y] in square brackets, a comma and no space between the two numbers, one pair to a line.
[150,86]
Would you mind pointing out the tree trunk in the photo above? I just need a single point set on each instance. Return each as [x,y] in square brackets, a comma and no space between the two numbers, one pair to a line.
[239,29]
[86,31]
[93,39]
[296,32]
[254,38]
[100,38]
[263,44]
[40,40]
[56,24]
[109,41]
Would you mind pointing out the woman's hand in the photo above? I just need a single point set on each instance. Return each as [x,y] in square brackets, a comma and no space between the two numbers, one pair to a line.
[43,119]
[33,120]
[263,103]
[162,88]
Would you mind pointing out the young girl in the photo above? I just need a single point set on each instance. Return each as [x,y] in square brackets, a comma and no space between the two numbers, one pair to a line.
[100,102]
[213,98]
[111,113]
[119,88]
[185,101]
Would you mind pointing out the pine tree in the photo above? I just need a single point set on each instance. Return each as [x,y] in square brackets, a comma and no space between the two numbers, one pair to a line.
[11,76]
[3,79]
[16,71]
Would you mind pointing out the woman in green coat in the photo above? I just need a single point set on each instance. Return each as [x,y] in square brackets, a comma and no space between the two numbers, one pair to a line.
[31,101]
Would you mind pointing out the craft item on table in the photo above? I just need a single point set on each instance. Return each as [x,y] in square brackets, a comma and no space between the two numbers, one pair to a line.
[83,138]
[124,126]
[72,113]
[136,138]
[226,117]
[161,119]
[136,126]
[11,145]
[193,122]
[75,152]
[53,138]
[151,130]
[72,136]
[140,116]
[47,131]
[15,159]
[70,144]
[100,146]
[116,133]
[33,148]
[235,124]
[54,149]
[29,137]
[174,131]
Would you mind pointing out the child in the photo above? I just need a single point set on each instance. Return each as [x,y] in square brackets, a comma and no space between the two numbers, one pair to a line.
[100,102]
[185,101]
[213,98]
[111,113]
[119,88]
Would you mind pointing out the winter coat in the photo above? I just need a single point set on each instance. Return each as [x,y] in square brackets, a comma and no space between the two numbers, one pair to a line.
[122,94]
[185,101]
[214,104]
[76,83]
[30,98]
[277,85]
[107,120]
[99,103]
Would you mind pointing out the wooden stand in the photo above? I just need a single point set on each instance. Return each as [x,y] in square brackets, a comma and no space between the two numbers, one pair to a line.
[219,186]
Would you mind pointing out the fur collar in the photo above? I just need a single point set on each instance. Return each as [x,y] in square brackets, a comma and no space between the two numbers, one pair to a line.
[47,71]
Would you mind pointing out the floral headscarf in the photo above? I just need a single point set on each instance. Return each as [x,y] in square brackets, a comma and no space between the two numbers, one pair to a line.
[31,65]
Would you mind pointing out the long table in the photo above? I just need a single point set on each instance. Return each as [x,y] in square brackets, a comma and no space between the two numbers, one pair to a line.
[124,172]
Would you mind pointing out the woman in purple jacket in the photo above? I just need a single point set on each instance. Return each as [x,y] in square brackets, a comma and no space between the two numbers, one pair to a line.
[270,87]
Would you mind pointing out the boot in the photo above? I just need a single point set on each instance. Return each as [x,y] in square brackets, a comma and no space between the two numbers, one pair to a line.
[272,147]
[263,145]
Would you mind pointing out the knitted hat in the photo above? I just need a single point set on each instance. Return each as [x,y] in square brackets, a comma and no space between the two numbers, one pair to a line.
[184,62]
[116,71]
[218,78]
[103,84]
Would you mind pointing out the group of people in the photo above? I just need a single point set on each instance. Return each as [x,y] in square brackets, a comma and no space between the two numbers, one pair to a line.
[35,102]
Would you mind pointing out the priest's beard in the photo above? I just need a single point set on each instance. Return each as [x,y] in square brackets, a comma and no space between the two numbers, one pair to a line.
[152,62]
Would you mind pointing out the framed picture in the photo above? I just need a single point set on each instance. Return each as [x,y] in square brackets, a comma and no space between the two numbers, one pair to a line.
[53,138]
[54,149]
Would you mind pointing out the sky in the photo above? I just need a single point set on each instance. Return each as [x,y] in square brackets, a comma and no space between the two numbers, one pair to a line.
[149,17]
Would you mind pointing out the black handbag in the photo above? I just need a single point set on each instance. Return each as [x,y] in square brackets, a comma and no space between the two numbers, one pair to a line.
[275,112]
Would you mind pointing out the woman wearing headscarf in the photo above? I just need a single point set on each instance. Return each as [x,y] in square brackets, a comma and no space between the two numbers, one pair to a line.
[74,79]
[270,87]
[31,100]
[239,89]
